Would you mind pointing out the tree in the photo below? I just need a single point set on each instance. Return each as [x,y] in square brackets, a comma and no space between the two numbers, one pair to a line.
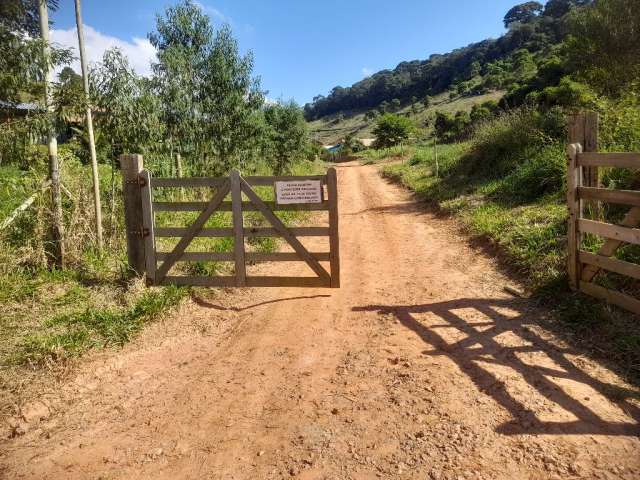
[22,71]
[183,39]
[392,130]
[286,135]
[352,144]
[449,128]
[89,120]
[426,101]
[524,65]
[523,13]
[21,61]
[57,226]
[130,113]
[395,104]
[559,8]
[370,115]
[232,96]
[604,44]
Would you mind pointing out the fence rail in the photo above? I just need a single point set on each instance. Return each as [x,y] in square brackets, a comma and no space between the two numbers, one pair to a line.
[583,187]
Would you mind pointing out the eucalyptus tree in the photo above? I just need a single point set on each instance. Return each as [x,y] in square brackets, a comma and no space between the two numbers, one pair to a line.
[21,60]
[183,40]
[22,67]
[210,100]
[287,135]
[129,111]
[232,97]
[89,119]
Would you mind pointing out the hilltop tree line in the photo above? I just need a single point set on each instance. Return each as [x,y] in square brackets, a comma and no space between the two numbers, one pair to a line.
[596,68]
[534,32]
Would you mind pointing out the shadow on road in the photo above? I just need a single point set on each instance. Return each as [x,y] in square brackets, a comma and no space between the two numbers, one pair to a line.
[205,304]
[492,342]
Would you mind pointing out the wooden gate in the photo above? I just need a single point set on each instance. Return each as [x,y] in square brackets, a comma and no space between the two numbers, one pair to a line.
[583,190]
[227,192]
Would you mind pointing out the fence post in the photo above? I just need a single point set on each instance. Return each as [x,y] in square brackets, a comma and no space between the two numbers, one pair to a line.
[238,229]
[148,224]
[574,180]
[131,166]
[583,129]
[334,242]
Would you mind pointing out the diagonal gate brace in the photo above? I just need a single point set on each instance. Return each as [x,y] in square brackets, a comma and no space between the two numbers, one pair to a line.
[192,231]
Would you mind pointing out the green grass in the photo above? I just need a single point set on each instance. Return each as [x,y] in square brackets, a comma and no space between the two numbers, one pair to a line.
[371,155]
[73,333]
[507,187]
[50,315]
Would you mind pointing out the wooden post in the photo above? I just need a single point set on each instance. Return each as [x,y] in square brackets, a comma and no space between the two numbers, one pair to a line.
[131,166]
[178,165]
[574,180]
[56,246]
[238,229]
[92,144]
[583,129]
[179,174]
[334,243]
[435,155]
[148,225]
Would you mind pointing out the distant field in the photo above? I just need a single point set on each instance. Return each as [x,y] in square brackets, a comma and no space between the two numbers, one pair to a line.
[329,130]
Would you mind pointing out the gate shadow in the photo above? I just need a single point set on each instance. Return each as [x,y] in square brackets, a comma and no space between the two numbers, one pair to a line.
[205,304]
[479,345]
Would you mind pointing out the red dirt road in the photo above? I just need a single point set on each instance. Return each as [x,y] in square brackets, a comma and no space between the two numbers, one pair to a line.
[420,367]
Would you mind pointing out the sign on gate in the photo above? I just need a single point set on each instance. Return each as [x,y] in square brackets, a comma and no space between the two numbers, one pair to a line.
[292,193]
[302,191]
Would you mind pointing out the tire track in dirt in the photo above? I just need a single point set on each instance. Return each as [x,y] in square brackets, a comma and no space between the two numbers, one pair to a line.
[419,367]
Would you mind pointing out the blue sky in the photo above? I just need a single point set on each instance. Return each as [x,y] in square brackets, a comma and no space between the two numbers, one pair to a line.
[302,48]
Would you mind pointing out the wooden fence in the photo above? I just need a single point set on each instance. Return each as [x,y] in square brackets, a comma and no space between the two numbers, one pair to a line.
[583,189]
[142,232]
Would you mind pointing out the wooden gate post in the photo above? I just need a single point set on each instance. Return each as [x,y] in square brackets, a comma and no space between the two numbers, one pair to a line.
[334,242]
[131,166]
[583,129]
[574,180]
[238,229]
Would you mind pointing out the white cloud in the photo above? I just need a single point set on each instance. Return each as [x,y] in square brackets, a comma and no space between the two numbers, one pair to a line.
[367,72]
[139,51]
[213,12]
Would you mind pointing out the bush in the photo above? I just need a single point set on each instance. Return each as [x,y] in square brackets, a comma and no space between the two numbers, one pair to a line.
[503,144]
[542,174]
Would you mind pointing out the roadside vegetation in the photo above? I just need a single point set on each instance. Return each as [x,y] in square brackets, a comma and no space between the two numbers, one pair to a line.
[201,113]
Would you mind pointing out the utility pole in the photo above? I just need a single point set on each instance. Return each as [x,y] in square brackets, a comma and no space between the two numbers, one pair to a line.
[92,143]
[56,249]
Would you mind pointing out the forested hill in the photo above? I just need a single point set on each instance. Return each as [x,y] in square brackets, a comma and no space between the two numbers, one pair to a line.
[534,34]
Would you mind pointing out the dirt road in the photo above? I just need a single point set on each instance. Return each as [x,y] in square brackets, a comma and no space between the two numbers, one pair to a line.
[420,367]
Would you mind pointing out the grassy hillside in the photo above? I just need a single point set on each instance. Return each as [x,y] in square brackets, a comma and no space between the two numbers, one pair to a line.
[328,130]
